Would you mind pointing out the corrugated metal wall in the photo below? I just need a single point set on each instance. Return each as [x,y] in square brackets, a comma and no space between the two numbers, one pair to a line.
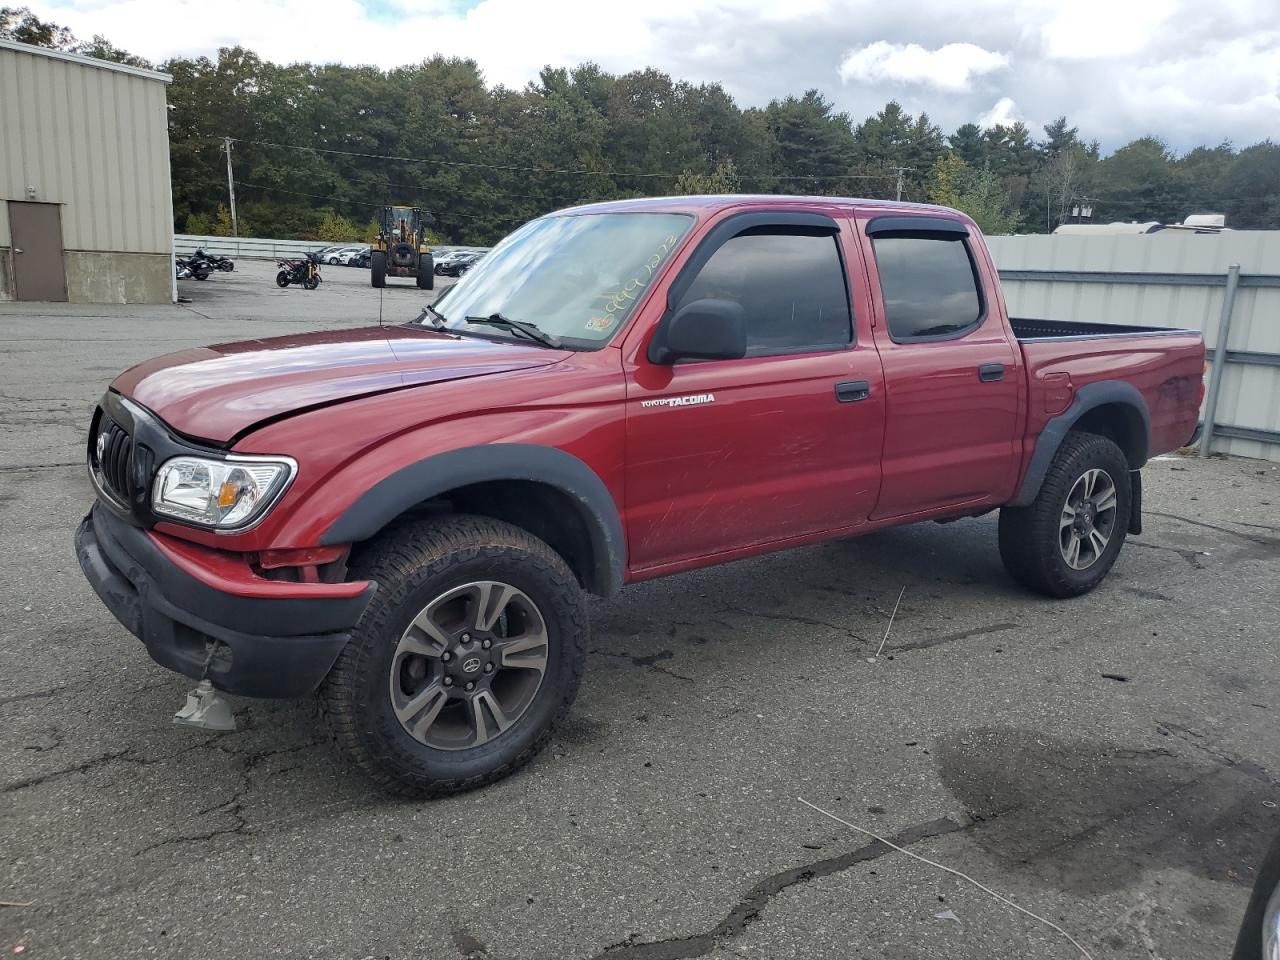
[92,138]
[1250,397]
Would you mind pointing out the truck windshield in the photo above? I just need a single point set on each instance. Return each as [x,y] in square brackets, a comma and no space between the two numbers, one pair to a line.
[577,277]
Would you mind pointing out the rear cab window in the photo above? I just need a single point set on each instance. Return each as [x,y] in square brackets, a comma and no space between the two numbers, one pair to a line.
[929,285]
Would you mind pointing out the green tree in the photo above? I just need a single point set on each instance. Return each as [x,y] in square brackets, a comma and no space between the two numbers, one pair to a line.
[336,228]
[983,196]
[723,179]
[947,179]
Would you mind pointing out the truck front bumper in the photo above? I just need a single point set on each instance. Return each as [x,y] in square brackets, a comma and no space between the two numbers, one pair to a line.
[260,638]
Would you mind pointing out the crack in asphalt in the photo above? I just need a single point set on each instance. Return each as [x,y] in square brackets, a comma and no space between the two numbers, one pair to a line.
[748,909]
[81,767]
[1248,768]
[1192,557]
[35,695]
[794,618]
[28,467]
[953,637]
[1259,538]
[232,807]
[650,661]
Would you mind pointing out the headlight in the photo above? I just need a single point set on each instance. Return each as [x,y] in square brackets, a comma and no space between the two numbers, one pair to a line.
[226,494]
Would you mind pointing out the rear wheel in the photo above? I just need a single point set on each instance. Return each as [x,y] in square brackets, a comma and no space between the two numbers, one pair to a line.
[1065,542]
[378,269]
[282,278]
[467,657]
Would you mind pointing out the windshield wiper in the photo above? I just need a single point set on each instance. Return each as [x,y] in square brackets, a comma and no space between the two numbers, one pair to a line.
[519,326]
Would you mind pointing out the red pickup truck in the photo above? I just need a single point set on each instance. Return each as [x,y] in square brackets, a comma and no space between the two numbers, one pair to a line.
[406,519]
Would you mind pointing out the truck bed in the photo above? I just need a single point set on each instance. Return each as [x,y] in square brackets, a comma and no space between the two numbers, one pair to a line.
[1026,329]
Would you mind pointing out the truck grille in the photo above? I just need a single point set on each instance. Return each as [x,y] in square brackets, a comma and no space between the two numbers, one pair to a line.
[113,452]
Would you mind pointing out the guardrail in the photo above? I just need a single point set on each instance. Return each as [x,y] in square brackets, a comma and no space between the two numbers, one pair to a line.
[258,248]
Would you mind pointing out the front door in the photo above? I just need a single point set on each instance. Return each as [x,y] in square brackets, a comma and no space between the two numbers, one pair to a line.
[38,269]
[782,443]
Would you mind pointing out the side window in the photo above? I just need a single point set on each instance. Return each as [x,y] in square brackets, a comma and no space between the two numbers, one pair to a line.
[791,285]
[929,286]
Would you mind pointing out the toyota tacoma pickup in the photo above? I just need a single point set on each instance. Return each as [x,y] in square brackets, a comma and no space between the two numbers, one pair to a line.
[406,520]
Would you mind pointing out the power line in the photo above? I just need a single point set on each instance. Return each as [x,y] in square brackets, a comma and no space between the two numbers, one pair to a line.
[365,203]
[554,170]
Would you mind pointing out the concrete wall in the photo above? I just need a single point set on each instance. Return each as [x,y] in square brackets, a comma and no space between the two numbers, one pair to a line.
[1189,274]
[93,137]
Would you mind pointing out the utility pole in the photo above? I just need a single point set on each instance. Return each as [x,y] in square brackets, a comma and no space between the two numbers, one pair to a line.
[231,189]
[901,171]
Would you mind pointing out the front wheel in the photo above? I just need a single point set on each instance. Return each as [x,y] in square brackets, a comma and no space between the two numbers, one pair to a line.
[1065,542]
[465,660]
[311,283]
[282,278]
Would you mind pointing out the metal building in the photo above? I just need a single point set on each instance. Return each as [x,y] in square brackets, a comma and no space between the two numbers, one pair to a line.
[86,208]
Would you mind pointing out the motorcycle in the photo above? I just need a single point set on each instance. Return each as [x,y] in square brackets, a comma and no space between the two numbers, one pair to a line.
[193,266]
[225,264]
[305,272]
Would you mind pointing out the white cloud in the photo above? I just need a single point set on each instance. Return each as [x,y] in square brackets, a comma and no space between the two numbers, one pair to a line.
[1094,29]
[950,67]
[1004,113]
[1187,70]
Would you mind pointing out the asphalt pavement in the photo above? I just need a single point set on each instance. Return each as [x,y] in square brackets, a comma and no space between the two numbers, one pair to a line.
[1110,763]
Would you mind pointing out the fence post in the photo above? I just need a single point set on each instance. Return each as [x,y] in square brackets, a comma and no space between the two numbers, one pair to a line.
[1219,357]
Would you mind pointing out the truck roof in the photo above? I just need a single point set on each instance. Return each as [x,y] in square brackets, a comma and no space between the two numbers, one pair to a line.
[704,204]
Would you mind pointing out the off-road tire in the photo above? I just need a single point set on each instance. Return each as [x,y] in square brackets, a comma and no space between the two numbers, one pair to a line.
[412,565]
[426,272]
[1029,536]
[378,269]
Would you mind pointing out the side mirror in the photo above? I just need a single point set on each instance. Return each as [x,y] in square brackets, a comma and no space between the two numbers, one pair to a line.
[702,330]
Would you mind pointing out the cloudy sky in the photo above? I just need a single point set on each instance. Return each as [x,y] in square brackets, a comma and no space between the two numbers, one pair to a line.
[1190,71]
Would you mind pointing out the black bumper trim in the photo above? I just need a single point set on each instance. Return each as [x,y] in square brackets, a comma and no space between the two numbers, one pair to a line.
[277,647]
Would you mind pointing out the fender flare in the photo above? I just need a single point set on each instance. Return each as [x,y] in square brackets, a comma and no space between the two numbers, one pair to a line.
[1087,398]
[432,476]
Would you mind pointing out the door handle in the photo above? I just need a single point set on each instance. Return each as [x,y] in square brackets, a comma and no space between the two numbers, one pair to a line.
[990,372]
[850,391]
[17,249]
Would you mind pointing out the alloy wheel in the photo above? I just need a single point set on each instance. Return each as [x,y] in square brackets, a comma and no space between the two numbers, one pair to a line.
[1088,519]
[469,665]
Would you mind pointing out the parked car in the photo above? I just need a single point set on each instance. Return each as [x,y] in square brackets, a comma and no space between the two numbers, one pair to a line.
[324,253]
[350,256]
[407,519]
[459,265]
[335,256]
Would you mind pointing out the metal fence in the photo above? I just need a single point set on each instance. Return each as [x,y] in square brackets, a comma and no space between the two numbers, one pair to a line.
[1226,285]
[258,248]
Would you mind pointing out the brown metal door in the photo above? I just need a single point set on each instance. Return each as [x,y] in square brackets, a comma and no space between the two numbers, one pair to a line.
[38,270]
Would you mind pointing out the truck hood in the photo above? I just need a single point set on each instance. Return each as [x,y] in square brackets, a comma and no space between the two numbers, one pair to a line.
[218,393]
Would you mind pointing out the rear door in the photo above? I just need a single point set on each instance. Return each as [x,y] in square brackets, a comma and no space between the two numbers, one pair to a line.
[781,443]
[952,372]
